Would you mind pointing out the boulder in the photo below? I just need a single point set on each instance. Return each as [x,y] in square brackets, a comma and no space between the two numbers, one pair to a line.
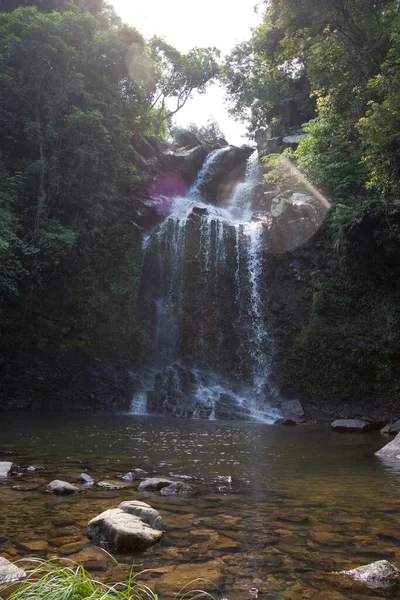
[9,572]
[292,409]
[392,428]
[128,476]
[123,529]
[143,146]
[227,407]
[62,488]
[380,574]
[5,468]
[183,490]
[85,478]
[351,425]
[143,511]
[187,138]
[391,450]
[230,170]
[154,484]
[293,140]
[294,221]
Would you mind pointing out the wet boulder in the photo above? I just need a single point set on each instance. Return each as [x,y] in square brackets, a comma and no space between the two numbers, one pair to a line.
[292,409]
[9,572]
[180,489]
[128,527]
[392,428]
[5,468]
[62,488]
[110,486]
[380,574]
[229,170]
[153,484]
[351,425]
[391,450]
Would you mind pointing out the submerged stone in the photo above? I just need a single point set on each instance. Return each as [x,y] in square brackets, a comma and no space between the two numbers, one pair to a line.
[85,478]
[106,485]
[380,574]
[180,489]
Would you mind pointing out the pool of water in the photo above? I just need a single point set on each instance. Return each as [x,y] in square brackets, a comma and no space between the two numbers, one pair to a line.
[303,501]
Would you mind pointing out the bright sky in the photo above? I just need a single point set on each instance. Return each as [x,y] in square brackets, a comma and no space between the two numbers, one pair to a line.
[185,24]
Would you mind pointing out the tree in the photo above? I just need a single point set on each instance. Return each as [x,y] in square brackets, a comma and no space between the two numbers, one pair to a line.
[210,132]
[178,75]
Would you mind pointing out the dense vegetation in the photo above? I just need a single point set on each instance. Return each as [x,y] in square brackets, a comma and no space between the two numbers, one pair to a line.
[334,65]
[77,90]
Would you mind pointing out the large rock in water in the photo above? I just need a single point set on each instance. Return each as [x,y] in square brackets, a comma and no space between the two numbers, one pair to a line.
[62,488]
[5,468]
[391,450]
[229,170]
[351,426]
[154,484]
[380,574]
[9,572]
[132,526]
[292,409]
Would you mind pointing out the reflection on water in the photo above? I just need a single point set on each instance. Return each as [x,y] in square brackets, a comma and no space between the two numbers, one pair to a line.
[303,501]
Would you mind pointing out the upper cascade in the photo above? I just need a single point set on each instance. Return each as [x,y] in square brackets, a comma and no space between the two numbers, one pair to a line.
[203,298]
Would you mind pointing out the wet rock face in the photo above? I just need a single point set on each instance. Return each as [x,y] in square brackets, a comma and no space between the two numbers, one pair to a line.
[128,527]
[186,161]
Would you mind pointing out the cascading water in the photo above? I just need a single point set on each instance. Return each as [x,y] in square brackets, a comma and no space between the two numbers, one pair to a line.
[204,289]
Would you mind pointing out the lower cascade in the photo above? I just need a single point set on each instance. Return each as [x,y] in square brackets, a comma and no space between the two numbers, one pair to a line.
[203,304]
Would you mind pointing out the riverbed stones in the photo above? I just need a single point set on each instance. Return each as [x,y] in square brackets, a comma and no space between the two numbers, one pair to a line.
[209,573]
[180,489]
[5,468]
[391,450]
[351,425]
[123,529]
[9,572]
[154,484]
[381,574]
[62,488]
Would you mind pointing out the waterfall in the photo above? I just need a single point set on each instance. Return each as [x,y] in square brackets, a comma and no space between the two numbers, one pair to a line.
[205,296]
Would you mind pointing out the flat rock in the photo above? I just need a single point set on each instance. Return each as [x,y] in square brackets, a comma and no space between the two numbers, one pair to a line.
[154,484]
[380,574]
[351,425]
[292,409]
[9,571]
[62,488]
[5,468]
[391,450]
[106,485]
[123,530]
[183,490]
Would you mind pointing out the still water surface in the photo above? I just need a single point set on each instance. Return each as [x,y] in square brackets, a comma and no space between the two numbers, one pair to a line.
[303,501]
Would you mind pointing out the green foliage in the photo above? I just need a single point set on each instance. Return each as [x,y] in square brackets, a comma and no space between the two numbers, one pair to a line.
[73,582]
[208,133]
